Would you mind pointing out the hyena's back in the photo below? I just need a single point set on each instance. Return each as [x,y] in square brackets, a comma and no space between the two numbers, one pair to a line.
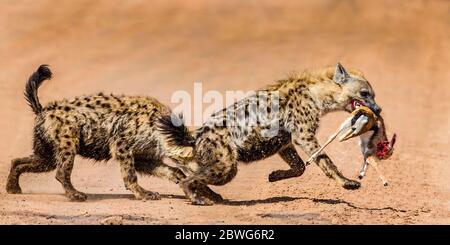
[93,122]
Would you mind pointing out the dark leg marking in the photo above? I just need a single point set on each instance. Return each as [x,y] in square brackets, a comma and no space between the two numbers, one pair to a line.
[291,157]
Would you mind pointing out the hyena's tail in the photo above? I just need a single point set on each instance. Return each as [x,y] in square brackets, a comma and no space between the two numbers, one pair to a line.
[31,88]
[179,142]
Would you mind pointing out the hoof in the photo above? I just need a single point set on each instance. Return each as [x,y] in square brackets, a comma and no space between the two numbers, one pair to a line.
[351,185]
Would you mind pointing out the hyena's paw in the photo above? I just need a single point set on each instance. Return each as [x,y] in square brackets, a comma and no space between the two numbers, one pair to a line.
[12,187]
[201,201]
[276,175]
[77,196]
[142,194]
[210,194]
[196,193]
[149,195]
[351,185]
[216,197]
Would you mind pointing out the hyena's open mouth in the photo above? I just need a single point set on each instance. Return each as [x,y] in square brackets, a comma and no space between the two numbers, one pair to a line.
[356,103]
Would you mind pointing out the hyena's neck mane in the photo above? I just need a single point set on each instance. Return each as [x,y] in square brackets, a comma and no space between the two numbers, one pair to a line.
[312,88]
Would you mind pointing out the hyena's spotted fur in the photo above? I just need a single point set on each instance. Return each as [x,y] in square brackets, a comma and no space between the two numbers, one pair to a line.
[99,127]
[303,99]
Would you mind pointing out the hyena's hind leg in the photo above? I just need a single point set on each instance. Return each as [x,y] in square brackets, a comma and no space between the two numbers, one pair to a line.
[12,184]
[159,169]
[291,157]
[215,172]
[205,191]
[188,186]
[199,188]
[31,164]
[121,152]
[200,192]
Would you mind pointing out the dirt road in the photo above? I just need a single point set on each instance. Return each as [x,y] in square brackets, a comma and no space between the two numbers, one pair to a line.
[137,47]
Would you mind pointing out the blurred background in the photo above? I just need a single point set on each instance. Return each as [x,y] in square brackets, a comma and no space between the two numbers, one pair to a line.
[157,47]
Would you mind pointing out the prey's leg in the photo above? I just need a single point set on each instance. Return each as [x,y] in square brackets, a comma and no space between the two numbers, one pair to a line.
[363,170]
[314,156]
[374,163]
[346,124]
[356,129]
[311,145]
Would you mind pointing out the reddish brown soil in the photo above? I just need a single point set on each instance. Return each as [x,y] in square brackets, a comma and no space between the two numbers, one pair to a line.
[136,47]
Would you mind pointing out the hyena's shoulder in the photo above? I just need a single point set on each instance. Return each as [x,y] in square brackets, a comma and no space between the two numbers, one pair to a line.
[301,104]
[297,81]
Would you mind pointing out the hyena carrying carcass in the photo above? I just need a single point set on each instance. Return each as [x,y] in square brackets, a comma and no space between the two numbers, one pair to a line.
[98,127]
[211,153]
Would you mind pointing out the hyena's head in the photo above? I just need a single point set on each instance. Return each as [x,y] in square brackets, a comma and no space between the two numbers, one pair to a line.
[355,90]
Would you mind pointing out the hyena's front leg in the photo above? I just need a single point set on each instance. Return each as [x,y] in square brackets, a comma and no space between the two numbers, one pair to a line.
[310,145]
[176,175]
[291,157]
[121,152]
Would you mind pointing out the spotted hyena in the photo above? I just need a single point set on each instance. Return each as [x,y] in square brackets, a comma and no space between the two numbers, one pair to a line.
[212,152]
[99,127]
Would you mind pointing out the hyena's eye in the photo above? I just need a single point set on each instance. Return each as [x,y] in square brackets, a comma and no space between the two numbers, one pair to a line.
[365,94]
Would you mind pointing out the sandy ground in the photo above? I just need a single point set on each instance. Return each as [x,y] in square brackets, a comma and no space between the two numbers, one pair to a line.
[157,47]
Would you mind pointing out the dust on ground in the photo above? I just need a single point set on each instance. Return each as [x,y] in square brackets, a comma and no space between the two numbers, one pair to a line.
[155,48]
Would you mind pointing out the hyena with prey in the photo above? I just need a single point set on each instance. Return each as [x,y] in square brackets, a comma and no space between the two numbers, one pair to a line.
[211,153]
[99,127]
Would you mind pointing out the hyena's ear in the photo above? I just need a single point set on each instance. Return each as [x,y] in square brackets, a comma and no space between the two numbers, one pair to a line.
[340,74]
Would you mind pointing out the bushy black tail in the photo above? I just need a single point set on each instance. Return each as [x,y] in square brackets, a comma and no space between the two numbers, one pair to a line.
[179,142]
[43,73]
[175,132]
